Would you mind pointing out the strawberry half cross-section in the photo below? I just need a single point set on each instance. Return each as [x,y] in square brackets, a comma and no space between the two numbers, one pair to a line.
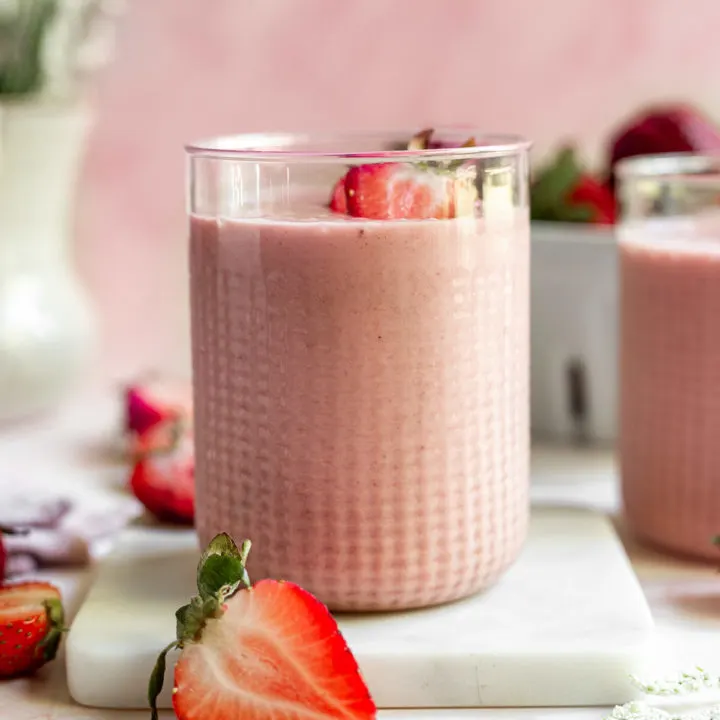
[264,651]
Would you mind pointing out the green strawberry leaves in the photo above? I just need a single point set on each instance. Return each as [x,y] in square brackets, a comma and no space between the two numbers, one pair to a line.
[221,572]
[422,140]
[190,619]
[56,622]
[552,186]
[157,679]
[222,567]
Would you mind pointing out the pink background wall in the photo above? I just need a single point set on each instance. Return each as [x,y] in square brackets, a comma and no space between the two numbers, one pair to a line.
[186,68]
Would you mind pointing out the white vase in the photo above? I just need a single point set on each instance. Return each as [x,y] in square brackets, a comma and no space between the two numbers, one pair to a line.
[47,326]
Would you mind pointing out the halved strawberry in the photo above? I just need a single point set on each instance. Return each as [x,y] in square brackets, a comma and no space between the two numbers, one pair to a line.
[163,477]
[338,201]
[264,651]
[31,626]
[389,191]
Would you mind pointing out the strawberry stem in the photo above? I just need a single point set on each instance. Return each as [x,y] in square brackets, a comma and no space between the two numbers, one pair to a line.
[421,140]
[221,572]
[56,621]
[244,552]
[222,566]
[157,678]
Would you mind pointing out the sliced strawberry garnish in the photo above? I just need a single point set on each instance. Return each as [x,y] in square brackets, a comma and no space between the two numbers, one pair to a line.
[31,626]
[391,191]
[163,476]
[338,201]
[264,651]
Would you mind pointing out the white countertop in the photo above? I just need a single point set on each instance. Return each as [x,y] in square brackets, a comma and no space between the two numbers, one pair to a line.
[69,454]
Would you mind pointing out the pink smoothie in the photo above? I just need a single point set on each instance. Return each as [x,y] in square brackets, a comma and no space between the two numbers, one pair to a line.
[361,399]
[670,383]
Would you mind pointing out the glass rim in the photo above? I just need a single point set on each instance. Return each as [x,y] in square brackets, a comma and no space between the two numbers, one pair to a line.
[287,146]
[667,165]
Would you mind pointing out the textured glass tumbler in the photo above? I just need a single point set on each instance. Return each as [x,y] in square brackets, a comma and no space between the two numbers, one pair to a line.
[361,373]
[669,241]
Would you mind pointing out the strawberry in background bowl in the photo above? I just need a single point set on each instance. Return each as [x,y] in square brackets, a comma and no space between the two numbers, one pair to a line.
[678,128]
[574,275]
[573,296]
[565,191]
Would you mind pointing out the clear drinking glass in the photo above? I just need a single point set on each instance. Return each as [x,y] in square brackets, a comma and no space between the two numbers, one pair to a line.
[361,373]
[669,249]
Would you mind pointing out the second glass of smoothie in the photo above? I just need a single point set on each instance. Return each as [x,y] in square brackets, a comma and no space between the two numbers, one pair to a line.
[669,242]
[360,359]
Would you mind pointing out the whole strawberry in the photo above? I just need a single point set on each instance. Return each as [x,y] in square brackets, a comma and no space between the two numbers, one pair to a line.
[676,128]
[264,651]
[31,626]
[163,474]
[590,193]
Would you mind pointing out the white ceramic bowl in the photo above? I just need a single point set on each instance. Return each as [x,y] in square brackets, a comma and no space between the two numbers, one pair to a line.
[574,332]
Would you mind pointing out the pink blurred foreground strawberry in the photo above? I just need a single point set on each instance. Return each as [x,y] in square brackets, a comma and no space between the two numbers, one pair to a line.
[264,651]
[159,439]
[150,401]
[163,474]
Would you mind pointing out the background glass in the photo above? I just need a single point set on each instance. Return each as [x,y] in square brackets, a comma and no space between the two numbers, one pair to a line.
[669,243]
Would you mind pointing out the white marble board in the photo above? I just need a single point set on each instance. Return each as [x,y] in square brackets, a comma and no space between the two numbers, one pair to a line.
[564,627]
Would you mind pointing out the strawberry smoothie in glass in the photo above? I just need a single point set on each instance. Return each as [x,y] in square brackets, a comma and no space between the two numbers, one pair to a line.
[669,243]
[360,359]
